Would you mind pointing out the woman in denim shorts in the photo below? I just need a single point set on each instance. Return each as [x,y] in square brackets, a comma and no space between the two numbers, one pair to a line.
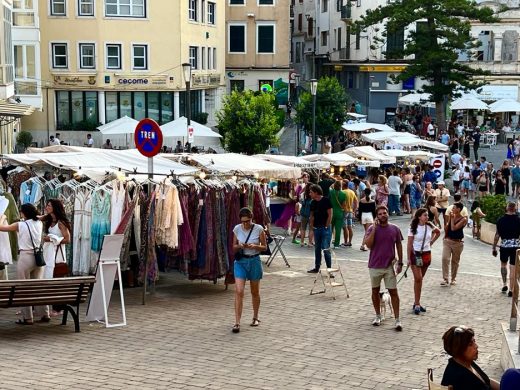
[248,241]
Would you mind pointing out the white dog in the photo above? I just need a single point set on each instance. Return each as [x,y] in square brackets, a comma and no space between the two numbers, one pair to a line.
[383,301]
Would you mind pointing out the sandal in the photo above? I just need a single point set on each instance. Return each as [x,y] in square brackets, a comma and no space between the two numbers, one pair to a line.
[235,328]
[255,322]
[23,322]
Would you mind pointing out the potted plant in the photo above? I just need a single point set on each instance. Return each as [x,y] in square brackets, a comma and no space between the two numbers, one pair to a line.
[494,207]
[24,139]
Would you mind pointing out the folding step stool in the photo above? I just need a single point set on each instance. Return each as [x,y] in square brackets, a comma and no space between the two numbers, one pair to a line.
[329,278]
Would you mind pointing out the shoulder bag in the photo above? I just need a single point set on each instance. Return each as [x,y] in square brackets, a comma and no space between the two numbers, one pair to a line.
[343,205]
[61,270]
[418,254]
[38,253]
[240,253]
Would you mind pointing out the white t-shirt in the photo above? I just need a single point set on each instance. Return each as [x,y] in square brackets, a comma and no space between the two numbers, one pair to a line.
[253,239]
[431,130]
[90,142]
[418,238]
[456,175]
[24,238]
[394,184]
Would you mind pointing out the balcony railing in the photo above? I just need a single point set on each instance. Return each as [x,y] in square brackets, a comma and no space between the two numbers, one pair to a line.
[346,12]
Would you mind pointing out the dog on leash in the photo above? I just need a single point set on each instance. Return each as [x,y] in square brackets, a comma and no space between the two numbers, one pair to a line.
[384,300]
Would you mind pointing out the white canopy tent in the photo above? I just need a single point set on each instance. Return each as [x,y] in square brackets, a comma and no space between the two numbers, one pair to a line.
[294,161]
[354,116]
[412,99]
[126,161]
[365,126]
[368,153]
[468,102]
[231,163]
[62,149]
[384,136]
[340,159]
[121,126]
[179,128]
[415,154]
[505,105]
[416,141]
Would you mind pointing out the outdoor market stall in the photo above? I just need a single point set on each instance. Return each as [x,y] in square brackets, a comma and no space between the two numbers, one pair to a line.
[366,126]
[294,161]
[369,153]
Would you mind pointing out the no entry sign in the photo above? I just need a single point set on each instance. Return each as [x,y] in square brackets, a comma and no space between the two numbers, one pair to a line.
[148,137]
[437,163]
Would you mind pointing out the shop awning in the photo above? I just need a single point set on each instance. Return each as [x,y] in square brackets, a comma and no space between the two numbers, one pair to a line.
[368,153]
[294,161]
[15,110]
[364,126]
[126,161]
[239,164]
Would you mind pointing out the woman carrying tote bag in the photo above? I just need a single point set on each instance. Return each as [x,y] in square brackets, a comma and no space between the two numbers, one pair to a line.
[57,235]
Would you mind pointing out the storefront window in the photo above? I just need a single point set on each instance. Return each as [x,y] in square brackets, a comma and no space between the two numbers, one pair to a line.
[153,105]
[91,113]
[77,106]
[166,108]
[63,109]
[76,110]
[125,104]
[139,105]
[195,97]
[111,106]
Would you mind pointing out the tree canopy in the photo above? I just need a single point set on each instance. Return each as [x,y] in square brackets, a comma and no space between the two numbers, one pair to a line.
[248,122]
[331,104]
[442,31]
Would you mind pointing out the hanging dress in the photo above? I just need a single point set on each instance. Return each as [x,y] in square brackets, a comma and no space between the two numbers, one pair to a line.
[100,219]
[118,204]
[81,264]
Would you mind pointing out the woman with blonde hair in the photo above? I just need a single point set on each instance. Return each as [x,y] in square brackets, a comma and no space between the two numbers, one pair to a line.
[382,191]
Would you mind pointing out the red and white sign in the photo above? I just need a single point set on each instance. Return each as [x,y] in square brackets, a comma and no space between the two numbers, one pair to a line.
[438,164]
[190,134]
[148,137]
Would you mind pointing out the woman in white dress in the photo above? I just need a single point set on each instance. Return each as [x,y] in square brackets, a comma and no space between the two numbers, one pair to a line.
[56,227]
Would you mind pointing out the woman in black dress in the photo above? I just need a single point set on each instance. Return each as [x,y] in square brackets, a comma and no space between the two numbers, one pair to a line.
[500,184]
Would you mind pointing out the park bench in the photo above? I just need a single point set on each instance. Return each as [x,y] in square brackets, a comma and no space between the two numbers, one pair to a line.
[65,293]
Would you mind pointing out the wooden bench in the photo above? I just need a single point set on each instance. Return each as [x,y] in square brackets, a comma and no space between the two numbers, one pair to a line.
[64,292]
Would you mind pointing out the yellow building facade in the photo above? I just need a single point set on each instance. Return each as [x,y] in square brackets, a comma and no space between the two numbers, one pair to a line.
[258,45]
[101,60]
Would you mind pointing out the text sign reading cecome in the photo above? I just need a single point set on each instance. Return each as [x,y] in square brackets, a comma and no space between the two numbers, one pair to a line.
[148,137]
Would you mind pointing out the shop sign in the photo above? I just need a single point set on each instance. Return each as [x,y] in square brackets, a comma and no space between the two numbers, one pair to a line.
[205,79]
[382,68]
[141,82]
[72,80]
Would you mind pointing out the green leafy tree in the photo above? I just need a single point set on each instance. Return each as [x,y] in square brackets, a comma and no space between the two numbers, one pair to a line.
[442,32]
[248,122]
[24,138]
[331,102]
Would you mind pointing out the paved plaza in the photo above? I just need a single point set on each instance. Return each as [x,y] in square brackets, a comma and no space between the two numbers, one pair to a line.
[182,338]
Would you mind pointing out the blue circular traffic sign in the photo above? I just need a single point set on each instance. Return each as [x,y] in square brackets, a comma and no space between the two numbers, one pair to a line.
[148,137]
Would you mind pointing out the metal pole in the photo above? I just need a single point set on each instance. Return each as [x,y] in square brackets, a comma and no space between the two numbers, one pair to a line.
[188,113]
[313,124]
[145,283]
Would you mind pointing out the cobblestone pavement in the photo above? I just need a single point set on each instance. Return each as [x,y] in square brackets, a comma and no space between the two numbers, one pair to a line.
[182,340]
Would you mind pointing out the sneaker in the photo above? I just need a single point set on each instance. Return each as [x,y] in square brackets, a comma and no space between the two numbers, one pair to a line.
[313,271]
[337,247]
[398,325]
[445,283]
[295,241]
[453,282]
[417,309]
[510,294]
[377,320]
[504,289]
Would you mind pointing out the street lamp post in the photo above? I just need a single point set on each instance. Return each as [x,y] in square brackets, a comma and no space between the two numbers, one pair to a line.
[297,84]
[314,87]
[186,69]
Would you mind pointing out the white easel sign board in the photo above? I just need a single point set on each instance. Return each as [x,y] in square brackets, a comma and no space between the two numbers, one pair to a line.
[109,264]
